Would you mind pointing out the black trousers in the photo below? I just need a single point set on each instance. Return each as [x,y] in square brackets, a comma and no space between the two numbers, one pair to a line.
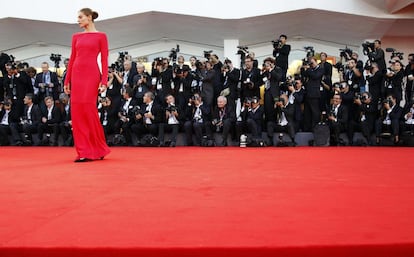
[5,131]
[274,127]
[199,129]
[312,113]
[248,126]
[48,128]
[173,128]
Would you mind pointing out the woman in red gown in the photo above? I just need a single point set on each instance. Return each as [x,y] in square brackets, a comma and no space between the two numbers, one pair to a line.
[84,81]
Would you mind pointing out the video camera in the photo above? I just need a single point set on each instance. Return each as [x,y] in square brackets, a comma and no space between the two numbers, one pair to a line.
[310,52]
[56,58]
[173,53]
[118,65]
[394,53]
[368,47]
[345,53]
[276,43]
[207,54]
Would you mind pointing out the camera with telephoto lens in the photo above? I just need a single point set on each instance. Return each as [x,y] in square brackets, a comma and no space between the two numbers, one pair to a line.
[361,97]
[339,66]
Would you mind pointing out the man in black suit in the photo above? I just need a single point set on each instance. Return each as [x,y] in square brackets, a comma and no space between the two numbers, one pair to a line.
[148,120]
[389,121]
[17,85]
[48,84]
[313,74]
[30,121]
[126,78]
[7,117]
[65,126]
[364,118]
[252,119]
[297,95]
[182,84]
[231,79]
[375,81]
[377,55]
[162,75]
[284,121]
[272,76]
[49,123]
[281,51]
[198,119]
[174,116]
[127,112]
[251,80]
[337,119]
[224,117]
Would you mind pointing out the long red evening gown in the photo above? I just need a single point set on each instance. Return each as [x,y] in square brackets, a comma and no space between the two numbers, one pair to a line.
[84,77]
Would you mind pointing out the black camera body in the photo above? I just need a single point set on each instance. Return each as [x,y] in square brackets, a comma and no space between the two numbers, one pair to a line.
[173,53]
[346,53]
[276,43]
[207,54]
[56,58]
[171,108]
[388,101]
[368,47]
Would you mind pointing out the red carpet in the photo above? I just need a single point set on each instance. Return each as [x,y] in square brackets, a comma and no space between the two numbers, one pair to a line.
[208,202]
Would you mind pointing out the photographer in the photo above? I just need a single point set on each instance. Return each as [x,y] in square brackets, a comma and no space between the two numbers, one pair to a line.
[141,83]
[389,121]
[107,115]
[377,55]
[230,78]
[126,115]
[313,73]
[337,119]
[365,117]
[271,76]
[394,80]
[375,83]
[162,79]
[173,119]
[224,117]
[408,121]
[17,85]
[198,119]
[113,90]
[29,122]
[149,118]
[281,52]
[49,123]
[47,83]
[207,88]
[7,117]
[183,80]
[65,126]
[126,77]
[409,73]
[353,76]
[297,98]
[326,81]
[284,121]
[251,80]
[251,119]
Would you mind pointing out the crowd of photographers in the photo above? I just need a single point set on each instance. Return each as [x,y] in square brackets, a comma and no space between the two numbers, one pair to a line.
[209,96]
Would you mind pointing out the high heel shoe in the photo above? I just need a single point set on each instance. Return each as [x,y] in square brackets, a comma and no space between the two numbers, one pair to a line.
[83,160]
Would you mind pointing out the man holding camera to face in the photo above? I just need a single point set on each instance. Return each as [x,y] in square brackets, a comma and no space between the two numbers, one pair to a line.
[281,52]
[198,119]
[224,117]
[337,119]
[126,115]
[271,76]
[364,118]
[394,79]
[389,122]
[173,120]
[147,120]
[251,118]
[375,80]
[284,121]
[230,78]
[251,80]
[409,73]
[29,122]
